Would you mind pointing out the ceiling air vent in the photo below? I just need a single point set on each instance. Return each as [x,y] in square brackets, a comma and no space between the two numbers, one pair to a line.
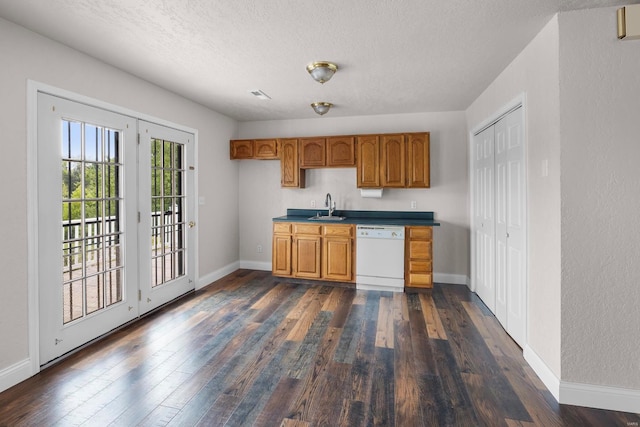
[260,94]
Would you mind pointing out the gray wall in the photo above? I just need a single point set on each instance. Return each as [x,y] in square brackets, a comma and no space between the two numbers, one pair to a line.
[600,128]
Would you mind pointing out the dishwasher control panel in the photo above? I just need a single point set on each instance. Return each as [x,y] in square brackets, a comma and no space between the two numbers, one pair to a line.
[380,232]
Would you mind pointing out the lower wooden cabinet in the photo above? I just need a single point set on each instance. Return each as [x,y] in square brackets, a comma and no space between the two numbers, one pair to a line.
[418,257]
[338,252]
[281,249]
[313,251]
[306,251]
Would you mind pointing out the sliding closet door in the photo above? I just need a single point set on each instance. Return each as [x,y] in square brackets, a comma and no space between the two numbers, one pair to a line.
[484,221]
[510,225]
[499,212]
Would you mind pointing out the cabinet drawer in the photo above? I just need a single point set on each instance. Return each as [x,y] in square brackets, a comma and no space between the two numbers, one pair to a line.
[420,266]
[282,227]
[307,229]
[419,249]
[420,280]
[420,233]
[338,230]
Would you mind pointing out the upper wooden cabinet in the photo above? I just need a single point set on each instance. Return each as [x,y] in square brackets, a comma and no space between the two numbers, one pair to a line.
[418,170]
[290,173]
[341,151]
[368,166]
[393,160]
[312,152]
[254,149]
[241,149]
[265,149]
[335,151]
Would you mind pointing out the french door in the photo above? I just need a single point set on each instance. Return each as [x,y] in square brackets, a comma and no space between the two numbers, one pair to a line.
[166,214]
[110,211]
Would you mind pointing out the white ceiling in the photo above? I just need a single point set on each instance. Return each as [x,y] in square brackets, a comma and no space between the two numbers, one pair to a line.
[395,56]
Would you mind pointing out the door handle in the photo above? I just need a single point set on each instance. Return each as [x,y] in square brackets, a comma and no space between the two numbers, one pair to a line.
[192,224]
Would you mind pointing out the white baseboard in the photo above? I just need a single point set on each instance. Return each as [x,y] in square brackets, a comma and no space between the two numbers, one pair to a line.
[591,396]
[209,278]
[601,397]
[452,279]
[256,265]
[545,374]
[15,374]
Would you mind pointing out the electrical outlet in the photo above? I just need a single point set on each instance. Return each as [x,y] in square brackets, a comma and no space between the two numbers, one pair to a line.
[259,249]
[414,204]
[313,203]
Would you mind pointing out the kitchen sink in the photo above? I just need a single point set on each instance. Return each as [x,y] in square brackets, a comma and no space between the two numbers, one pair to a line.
[326,218]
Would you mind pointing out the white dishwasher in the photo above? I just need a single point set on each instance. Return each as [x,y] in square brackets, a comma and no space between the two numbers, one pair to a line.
[380,258]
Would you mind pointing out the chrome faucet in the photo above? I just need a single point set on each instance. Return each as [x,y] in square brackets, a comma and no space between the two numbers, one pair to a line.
[329,204]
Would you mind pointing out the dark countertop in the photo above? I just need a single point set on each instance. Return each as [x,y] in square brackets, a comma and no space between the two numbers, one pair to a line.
[361,217]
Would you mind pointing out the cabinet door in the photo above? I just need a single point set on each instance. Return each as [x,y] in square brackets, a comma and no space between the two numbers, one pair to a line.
[265,149]
[281,255]
[418,160]
[241,149]
[307,257]
[341,151]
[393,160]
[312,152]
[368,161]
[336,259]
[290,173]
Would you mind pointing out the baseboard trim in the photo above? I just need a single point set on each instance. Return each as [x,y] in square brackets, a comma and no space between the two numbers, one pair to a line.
[541,369]
[256,265]
[451,279]
[599,396]
[209,278]
[15,374]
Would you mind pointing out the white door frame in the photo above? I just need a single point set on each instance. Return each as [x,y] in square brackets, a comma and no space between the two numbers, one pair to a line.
[518,101]
[33,88]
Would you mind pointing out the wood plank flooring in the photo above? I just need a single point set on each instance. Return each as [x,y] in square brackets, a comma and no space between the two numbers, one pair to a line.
[252,349]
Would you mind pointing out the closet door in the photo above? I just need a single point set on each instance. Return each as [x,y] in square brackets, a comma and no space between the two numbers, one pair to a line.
[510,225]
[499,232]
[483,206]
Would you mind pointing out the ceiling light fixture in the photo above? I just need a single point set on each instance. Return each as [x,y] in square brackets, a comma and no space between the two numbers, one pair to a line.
[322,71]
[321,108]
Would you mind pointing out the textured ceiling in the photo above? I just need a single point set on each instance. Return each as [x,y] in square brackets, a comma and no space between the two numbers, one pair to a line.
[394,56]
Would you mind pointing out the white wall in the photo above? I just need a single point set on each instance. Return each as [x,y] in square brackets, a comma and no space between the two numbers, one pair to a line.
[261,197]
[535,73]
[600,128]
[26,55]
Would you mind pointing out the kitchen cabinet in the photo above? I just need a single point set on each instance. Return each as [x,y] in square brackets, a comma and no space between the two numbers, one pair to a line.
[393,161]
[312,152]
[418,257]
[313,251]
[290,173]
[368,161]
[263,149]
[241,149]
[418,162]
[337,151]
[341,151]
[281,249]
[337,253]
[306,250]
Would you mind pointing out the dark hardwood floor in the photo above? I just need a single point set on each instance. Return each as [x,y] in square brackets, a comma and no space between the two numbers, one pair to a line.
[252,349]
